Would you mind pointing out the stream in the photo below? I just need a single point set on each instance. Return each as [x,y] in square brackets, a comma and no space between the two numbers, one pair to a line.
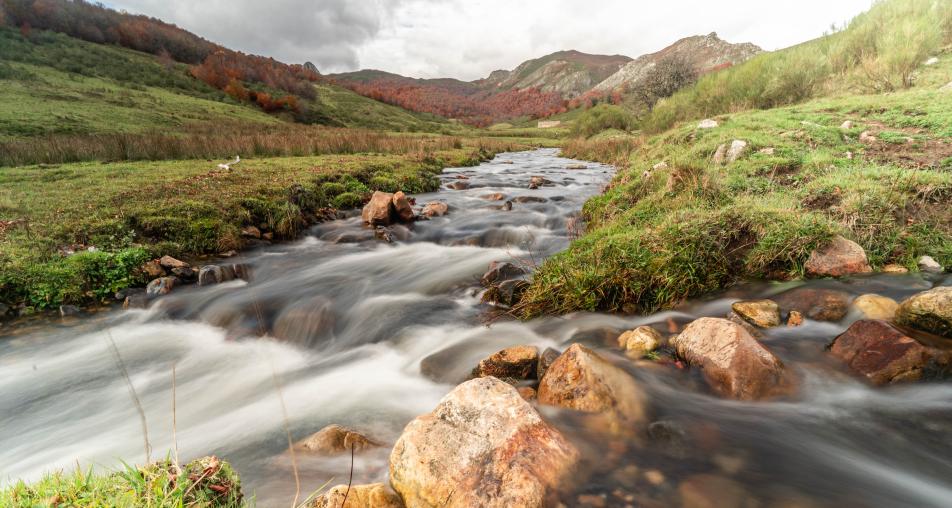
[348,320]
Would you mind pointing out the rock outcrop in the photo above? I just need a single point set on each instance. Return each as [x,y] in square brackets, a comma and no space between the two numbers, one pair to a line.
[483,446]
[582,380]
[840,258]
[885,354]
[734,364]
[930,311]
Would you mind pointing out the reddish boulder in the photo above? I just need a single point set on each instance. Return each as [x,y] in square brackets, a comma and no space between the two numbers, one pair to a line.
[841,257]
[401,206]
[734,363]
[379,211]
[483,446]
[885,354]
[582,380]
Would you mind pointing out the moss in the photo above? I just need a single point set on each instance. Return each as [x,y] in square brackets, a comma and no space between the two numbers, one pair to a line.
[207,482]
[347,200]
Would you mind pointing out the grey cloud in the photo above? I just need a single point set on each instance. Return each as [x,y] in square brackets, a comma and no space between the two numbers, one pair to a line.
[326,32]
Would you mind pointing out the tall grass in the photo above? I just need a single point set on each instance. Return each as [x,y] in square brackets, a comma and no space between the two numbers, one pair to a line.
[879,51]
[214,142]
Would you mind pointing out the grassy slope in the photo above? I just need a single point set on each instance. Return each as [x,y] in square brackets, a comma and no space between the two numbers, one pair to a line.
[55,84]
[697,226]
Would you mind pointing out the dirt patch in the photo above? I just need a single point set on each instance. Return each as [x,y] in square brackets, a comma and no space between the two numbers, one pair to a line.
[908,148]
[822,201]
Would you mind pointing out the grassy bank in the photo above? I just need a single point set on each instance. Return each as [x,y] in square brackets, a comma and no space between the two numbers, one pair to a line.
[132,211]
[696,226]
[206,482]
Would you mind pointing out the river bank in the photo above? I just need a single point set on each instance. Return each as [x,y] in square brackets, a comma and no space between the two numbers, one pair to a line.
[77,233]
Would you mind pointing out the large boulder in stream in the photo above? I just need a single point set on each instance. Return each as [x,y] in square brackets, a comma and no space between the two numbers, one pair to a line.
[839,258]
[379,210]
[402,208]
[885,354]
[930,311]
[582,380]
[734,363]
[483,446]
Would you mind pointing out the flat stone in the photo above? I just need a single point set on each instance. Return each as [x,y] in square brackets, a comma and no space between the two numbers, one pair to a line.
[335,439]
[847,125]
[894,268]
[514,363]
[762,313]
[817,304]
[876,306]
[170,263]
[737,149]
[885,354]
[707,123]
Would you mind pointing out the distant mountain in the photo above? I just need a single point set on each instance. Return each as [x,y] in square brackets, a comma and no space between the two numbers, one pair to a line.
[569,73]
[706,52]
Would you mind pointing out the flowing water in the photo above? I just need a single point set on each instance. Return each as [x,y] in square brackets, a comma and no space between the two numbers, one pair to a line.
[341,322]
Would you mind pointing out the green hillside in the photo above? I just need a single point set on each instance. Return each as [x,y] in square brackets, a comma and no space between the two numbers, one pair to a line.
[56,84]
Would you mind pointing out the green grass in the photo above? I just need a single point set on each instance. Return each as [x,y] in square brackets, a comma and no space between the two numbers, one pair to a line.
[697,226]
[54,84]
[133,210]
[206,482]
[880,51]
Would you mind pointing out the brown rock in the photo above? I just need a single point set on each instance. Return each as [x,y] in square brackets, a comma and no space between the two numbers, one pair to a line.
[483,446]
[734,363]
[379,211]
[640,341]
[401,205]
[795,319]
[153,269]
[876,306]
[537,181]
[894,268]
[435,209]
[884,354]
[930,311]
[763,313]
[816,303]
[170,263]
[496,196]
[161,286]
[581,380]
[712,491]
[514,363]
[376,495]
[251,232]
[458,185]
[720,155]
[335,440]
[841,257]
[305,321]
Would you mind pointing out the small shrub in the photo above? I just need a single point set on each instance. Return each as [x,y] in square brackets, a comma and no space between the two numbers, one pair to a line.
[602,117]
[347,201]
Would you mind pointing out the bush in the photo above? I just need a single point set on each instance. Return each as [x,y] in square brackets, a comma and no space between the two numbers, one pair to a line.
[347,200]
[602,117]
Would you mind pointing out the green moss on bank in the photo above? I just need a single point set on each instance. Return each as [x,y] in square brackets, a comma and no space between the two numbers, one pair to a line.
[697,226]
[206,482]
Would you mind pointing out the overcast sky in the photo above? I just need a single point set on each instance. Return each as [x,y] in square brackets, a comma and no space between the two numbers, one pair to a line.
[467,39]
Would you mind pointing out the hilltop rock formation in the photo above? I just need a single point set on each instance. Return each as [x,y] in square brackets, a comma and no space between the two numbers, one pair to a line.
[706,52]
